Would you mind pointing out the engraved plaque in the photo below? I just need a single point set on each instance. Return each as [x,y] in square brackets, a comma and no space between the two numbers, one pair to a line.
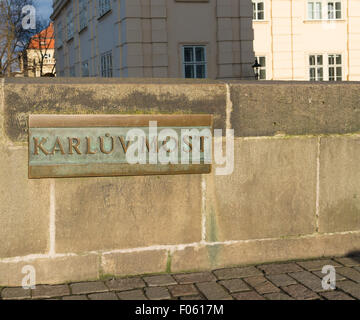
[63,146]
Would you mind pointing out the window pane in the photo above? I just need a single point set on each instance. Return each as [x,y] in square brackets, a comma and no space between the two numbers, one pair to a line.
[200,54]
[200,71]
[262,74]
[188,54]
[312,60]
[331,74]
[320,74]
[189,71]
[338,71]
[261,15]
[311,10]
[262,61]
[320,60]
[331,59]
[312,73]
[318,10]
[338,59]
[330,10]
[260,6]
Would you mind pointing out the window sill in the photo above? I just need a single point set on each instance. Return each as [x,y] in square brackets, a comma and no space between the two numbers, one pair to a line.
[104,14]
[323,20]
[260,21]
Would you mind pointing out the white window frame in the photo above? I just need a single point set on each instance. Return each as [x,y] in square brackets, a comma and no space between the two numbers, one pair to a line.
[262,67]
[338,76]
[332,13]
[325,66]
[69,25]
[104,7]
[106,65]
[195,62]
[321,10]
[256,11]
[82,14]
[316,13]
[316,66]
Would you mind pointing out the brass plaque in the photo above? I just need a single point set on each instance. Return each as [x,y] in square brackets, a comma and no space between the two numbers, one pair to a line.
[63,146]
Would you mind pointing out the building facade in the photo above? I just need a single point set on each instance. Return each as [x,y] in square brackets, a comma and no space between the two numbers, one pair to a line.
[154,38]
[307,39]
[38,59]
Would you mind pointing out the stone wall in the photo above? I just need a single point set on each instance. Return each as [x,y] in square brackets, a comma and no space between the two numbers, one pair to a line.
[294,192]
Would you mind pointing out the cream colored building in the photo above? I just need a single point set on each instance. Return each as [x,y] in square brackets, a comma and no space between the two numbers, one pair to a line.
[307,40]
[154,38]
[38,58]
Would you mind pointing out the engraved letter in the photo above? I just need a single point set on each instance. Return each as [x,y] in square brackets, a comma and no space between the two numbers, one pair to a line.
[89,146]
[60,148]
[72,146]
[124,145]
[102,144]
[38,146]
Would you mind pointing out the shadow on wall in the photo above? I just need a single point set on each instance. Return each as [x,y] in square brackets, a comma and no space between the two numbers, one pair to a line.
[355,255]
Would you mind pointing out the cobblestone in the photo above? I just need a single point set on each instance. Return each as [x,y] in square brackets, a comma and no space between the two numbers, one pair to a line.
[280,268]
[299,280]
[315,265]
[349,273]
[299,292]
[349,261]
[88,287]
[44,291]
[194,277]
[309,280]
[157,293]
[125,284]
[161,280]
[234,285]
[132,295]
[261,285]
[231,273]
[213,291]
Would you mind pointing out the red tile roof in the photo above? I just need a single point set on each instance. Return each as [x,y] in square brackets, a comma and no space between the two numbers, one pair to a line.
[44,39]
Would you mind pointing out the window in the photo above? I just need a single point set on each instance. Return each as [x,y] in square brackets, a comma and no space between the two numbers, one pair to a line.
[314,10]
[325,67]
[335,67]
[258,10]
[334,10]
[106,64]
[70,25]
[104,6]
[316,68]
[262,70]
[85,69]
[82,14]
[59,38]
[194,61]
[330,10]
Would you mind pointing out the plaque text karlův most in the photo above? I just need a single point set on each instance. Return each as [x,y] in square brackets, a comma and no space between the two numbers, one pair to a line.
[115,145]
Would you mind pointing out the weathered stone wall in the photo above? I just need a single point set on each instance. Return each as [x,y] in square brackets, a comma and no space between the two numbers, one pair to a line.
[294,192]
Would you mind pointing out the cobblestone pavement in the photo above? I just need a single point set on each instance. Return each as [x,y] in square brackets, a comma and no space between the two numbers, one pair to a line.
[279,281]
